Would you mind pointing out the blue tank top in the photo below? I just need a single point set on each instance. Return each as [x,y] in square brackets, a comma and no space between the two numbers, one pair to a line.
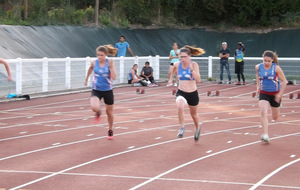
[239,55]
[102,78]
[268,78]
[184,74]
[129,76]
[172,52]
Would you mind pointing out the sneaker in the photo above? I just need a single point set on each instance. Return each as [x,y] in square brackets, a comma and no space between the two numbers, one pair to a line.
[110,135]
[180,132]
[220,82]
[244,83]
[229,82]
[265,138]
[239,83]
[197,134]
[97,117]
[175,84]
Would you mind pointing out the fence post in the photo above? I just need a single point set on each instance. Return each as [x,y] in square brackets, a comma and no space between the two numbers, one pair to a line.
[45,75]
[209,66]
[87,66]
[157,64]
[19,79]
[122,69]
[68,73]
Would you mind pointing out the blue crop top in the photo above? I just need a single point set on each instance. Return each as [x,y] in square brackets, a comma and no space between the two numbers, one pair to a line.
[184,74]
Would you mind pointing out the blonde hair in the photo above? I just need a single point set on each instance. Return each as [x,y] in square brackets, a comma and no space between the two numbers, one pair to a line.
[190,50]
[272,55]
[107,49]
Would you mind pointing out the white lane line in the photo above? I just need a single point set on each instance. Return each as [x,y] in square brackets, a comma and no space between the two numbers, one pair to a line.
[55,144]
[24,132]
[202,158]
[209,151]
[141,148]
[146,178]
[89,135]
[158,138]
[273,173]
[131,147]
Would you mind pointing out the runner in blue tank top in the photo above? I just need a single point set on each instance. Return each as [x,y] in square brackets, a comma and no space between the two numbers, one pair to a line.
[188,75]
[104,73]
[269,89]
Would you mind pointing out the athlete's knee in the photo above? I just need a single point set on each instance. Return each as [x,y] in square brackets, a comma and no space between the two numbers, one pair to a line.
[180,102]
[95,109]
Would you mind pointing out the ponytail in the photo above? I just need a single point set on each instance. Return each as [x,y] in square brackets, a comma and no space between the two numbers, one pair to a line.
[272,55]
[190,50]
[107,49]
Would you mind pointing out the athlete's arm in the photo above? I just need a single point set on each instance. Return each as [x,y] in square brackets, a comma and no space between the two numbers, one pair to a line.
[173,73]
[257,79]
[112,69]
[281,76]
[90,70]
[7,69]
[195,71]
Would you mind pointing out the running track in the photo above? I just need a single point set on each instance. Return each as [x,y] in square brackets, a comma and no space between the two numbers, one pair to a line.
[52,143]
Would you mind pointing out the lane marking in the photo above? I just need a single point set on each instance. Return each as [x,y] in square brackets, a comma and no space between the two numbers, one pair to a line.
[273,173]
[145,178]
[56,144]
[202,158]
[209,151]
[131,147]
[293,156]
[158,138]
[229,142]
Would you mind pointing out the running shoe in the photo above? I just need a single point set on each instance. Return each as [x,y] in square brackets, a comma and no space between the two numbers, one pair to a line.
[110,135]
[239,83]
[180,132]
[97,117]
[220,82]
[229,82]
[244,83]
[175,84]
[197,134]
[265,138]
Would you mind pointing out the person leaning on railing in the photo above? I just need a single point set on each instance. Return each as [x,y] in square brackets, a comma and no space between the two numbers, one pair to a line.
[7,69]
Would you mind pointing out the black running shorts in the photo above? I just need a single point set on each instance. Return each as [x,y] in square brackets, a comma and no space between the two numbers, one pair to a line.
[270,99]
[108,96]
[192,98]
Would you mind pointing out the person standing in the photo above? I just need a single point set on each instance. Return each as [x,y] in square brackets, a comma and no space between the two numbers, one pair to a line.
[224,55]
[104,73]
[188,75]
[239,63]
[7,69]
[174,56]
[269,89]
[122,47]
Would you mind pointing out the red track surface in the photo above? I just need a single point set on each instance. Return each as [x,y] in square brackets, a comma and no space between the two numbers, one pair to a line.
[52,143]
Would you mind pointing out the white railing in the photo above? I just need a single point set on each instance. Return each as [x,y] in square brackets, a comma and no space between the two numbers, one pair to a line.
[55,74]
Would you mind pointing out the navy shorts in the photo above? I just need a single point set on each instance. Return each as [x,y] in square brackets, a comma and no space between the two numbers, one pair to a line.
[270,99]
[192,98]
[108,96]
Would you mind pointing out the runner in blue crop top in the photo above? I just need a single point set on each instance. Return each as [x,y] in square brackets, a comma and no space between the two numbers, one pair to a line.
[104,73]
[188,74]
[269,89]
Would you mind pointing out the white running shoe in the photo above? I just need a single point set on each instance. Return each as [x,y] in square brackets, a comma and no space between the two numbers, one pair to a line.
[180,132]
[197,134]
[175,84]
[265,138]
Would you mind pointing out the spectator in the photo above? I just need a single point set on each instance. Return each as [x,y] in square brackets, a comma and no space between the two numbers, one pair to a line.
[147,74]
[224,55]
[239,63]
[133,77]
[174,56]
[122,46]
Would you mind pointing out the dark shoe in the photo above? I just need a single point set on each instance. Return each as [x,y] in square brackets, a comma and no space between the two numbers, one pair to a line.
[239,83]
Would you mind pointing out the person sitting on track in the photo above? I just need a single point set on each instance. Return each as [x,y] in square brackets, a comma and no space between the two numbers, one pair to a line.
[188,75]
[147,74]
[7,69]
[133,77]
[104,73]
[269,89]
